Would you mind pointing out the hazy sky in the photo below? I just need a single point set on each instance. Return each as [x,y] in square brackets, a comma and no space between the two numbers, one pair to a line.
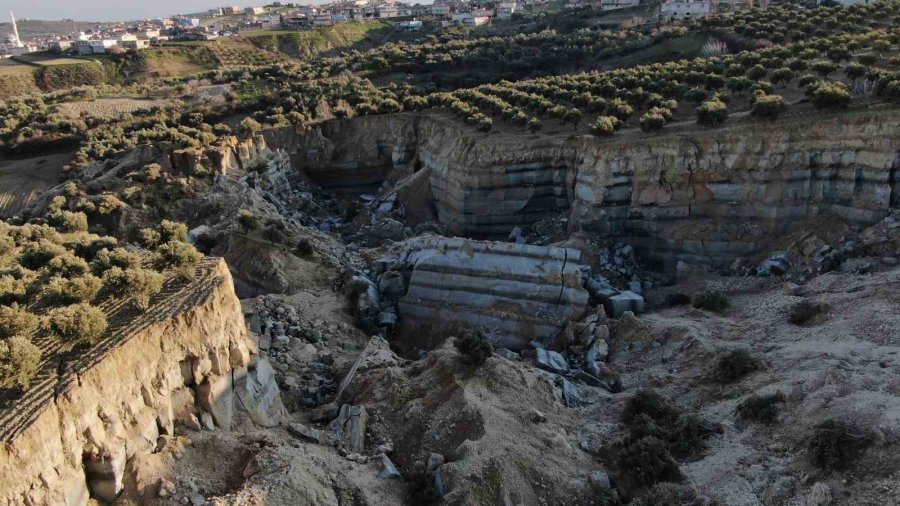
[110,10]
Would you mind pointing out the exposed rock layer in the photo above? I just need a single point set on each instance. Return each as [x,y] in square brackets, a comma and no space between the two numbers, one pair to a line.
[705,196]
[72,435]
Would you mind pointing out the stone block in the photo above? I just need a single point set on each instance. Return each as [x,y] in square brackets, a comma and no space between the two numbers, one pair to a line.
[626,301]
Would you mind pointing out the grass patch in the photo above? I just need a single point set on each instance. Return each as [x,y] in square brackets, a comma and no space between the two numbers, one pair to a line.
[834,444]
[761,408]
[711,300]
[734,366]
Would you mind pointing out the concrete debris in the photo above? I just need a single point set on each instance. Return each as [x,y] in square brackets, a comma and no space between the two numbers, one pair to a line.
[776,265]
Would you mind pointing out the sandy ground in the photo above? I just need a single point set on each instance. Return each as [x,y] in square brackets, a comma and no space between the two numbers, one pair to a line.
[23,180]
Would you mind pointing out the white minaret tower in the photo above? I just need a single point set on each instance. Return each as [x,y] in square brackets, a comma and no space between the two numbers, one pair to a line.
[15,30]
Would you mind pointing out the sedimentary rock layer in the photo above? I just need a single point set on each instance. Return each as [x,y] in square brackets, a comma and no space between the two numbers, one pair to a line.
[72,434]
[706,196]
[519,292]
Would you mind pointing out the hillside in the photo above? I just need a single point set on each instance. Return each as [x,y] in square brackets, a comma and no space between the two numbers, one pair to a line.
[309,43]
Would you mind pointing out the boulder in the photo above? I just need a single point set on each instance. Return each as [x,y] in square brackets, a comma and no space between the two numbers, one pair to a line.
[392,284]
[617,305]
[307,433]
[388,469]
[105,474]
[551,361]
[348,430]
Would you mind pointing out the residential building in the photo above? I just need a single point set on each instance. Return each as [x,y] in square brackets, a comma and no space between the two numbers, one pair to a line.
[685,9]
[483,13]
[387,11]
[268,20]
[231,10]
[322,20]
[60,46]
[187,22]
[94,46]
[611,5]
[440,9]
[469,20]
[412,26]
[296,22]
[255,10]
[506,10]
[135,44]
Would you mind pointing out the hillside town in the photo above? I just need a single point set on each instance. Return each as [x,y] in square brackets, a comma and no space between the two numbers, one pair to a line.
[230,21]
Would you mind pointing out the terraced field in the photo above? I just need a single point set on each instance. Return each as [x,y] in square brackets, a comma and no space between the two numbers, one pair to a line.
[22,181]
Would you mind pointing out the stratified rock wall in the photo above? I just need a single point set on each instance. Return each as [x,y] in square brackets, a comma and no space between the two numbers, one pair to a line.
[72,434]
[706,196]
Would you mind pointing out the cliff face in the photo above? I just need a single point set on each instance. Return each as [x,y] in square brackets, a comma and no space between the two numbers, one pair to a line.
[705,196]
[73,433]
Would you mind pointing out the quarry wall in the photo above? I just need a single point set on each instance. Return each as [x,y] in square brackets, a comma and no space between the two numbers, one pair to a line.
[73,433]
[700,195]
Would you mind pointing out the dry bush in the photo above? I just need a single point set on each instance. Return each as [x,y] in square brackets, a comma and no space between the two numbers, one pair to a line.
[77,324]
[138,284]
[19,360]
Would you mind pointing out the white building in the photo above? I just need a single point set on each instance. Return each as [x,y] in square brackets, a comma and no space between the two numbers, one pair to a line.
[611,5]
[685,9]
[506,10]
[414,25]
[134,44]
[469,20]
[94,46]
[255,10]
[268,20]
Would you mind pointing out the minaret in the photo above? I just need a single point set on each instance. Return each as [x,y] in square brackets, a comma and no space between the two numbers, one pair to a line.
[15,30]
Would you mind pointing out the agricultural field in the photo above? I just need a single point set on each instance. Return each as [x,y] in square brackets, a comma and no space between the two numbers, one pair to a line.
[109,107]
[22,180]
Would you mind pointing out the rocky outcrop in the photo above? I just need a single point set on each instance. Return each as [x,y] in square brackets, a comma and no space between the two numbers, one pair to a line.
[188,357]
[703,196]
[518,292]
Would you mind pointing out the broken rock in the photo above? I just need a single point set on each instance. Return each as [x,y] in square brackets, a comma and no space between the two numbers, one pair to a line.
[551,361]
[617,305]
[308,433]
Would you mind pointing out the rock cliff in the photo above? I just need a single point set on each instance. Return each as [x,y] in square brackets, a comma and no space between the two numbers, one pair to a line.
[73,433]
[705,196]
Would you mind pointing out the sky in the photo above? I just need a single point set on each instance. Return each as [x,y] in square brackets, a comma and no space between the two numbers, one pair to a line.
[108,10]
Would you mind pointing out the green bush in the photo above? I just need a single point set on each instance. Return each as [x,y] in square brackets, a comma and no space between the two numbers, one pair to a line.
[735,365]
[180,256]
[826,95]
[15,321]
[19,360]
[106,259]
[711,300]
[137,284]
[66,265]
[474,346]
[605,126]
[37,255]
[67,221]
[712,112]
[304,247]
[768,106]
[646,460]
[834,444]
[59,291]
[823,68]
[652,122]
[247,220]
[892,90]
[172,231]
[77,324]
[761,408]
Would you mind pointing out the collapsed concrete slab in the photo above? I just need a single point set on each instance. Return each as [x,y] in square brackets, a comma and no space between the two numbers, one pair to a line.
[520,293]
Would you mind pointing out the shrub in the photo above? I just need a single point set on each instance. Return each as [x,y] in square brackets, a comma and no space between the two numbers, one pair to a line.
[757,72]
[805,310]
[180,256]
[138,284]
[67,221]
[37,255]
[823,68]
[116,257]
[173,231]
[534,125]
[60,290]
[605,126]
[620,109]
[768,106]
[761,408]
[712,112]
[661,494]
[892,90]
[827,95]
[735,365]
[834,444]
[77,324]
[304,247]
[149,237]
[652,122]
[19,361]
[66,265]
[650,403]
[711,300]
[247,220]
[677,299]
[15,321]
[474,346]
[250,126]
[646,460]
